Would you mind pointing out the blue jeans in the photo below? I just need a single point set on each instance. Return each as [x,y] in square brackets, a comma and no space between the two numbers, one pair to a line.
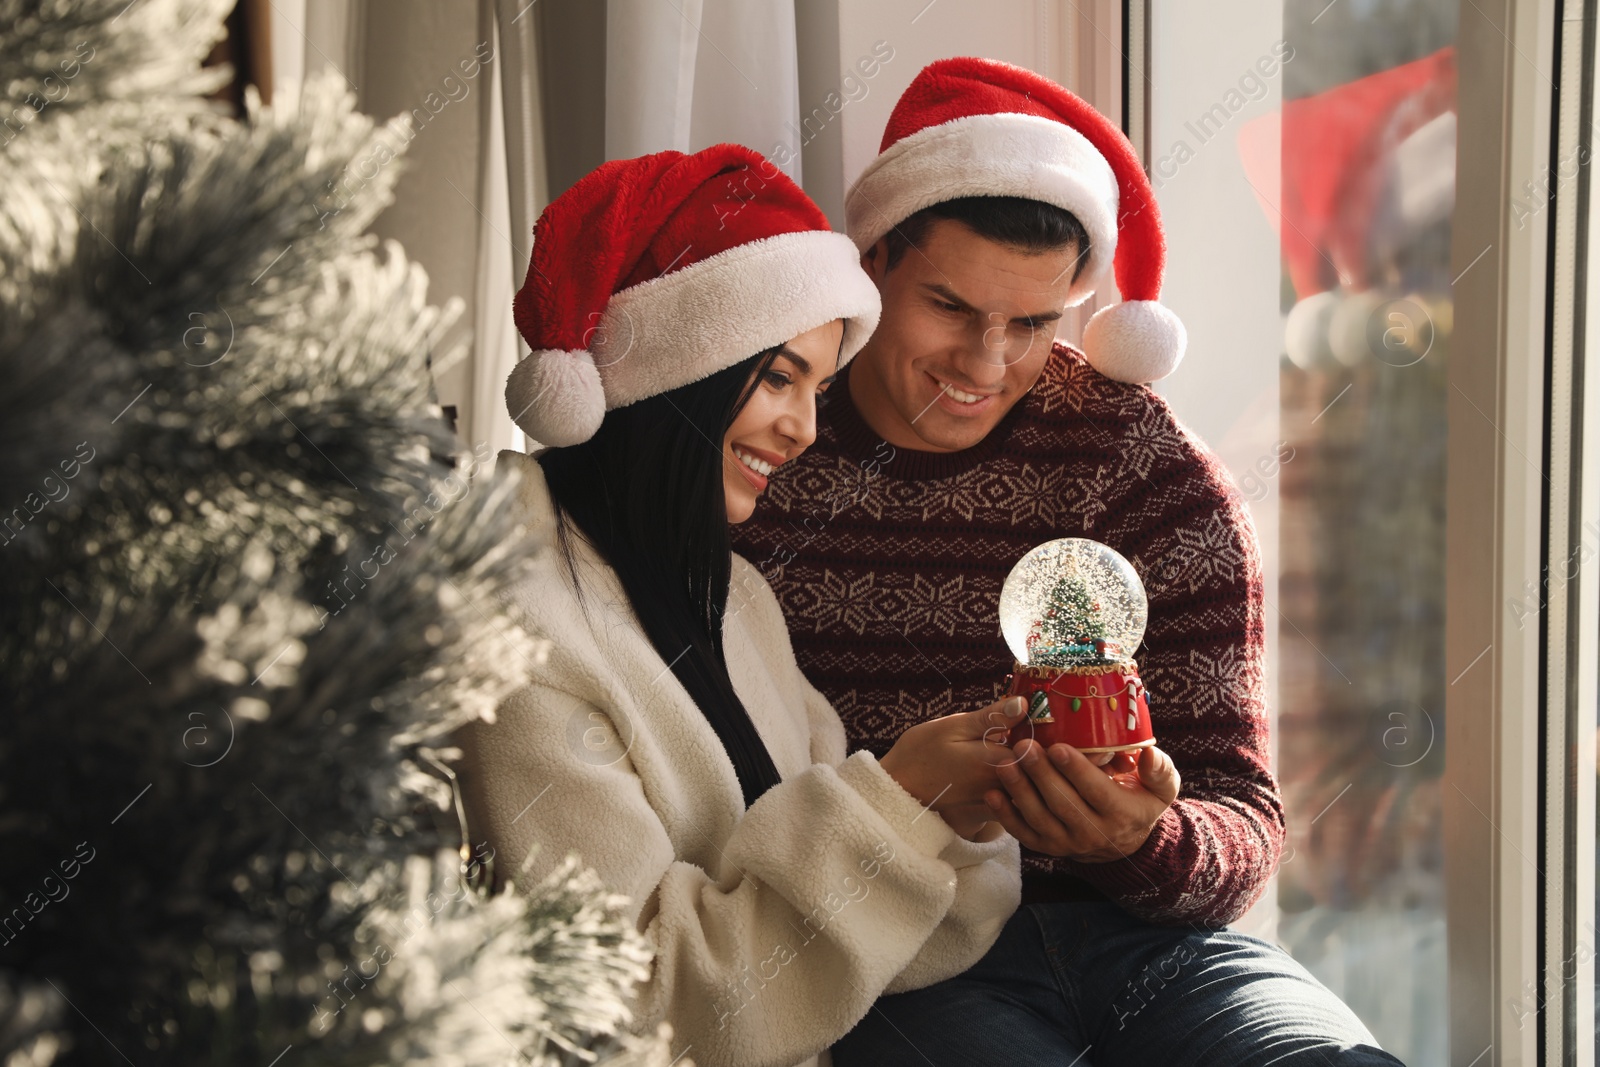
[1084,983]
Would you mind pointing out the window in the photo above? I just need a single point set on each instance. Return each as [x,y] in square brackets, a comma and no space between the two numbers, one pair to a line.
[1389,351]
[1304,158]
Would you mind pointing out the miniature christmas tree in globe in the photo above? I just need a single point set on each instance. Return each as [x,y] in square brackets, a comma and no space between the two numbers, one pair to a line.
[1070,626]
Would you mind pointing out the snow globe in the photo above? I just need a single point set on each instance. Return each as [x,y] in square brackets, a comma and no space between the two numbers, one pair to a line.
[1073,611]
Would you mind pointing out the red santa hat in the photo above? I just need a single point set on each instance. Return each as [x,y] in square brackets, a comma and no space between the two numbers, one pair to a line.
[655,272]
[977,127]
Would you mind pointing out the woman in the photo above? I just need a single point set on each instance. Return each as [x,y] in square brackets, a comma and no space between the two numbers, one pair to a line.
[670,739]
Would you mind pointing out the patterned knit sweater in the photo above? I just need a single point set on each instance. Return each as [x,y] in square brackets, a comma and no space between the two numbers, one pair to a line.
[888,564]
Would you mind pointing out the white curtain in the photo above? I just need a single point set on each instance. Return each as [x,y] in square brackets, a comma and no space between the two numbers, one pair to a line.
[687,74]
[682,74]
[514,190]
[494,199]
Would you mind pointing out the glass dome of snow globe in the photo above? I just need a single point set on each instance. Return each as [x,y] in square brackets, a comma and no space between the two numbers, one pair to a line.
[1072,602]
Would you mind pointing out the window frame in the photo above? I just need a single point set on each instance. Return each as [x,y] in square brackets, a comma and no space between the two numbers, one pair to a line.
[1505,774]
[1571,614]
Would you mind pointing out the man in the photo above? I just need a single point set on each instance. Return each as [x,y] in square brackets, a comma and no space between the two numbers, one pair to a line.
[961,437]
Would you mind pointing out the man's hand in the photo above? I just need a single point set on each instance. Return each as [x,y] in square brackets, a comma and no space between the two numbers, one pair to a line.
[1063,805]
[949,763]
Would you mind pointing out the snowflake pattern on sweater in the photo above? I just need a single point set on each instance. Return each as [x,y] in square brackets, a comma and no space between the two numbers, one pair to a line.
[888,564]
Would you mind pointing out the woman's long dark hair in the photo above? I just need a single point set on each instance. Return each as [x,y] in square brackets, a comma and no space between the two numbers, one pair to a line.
[646,492]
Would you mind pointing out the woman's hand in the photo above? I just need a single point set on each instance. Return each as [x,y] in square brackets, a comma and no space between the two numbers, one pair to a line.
[973,822]
[949,764]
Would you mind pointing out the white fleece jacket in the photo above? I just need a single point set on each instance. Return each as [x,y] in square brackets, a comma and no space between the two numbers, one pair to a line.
[774,928]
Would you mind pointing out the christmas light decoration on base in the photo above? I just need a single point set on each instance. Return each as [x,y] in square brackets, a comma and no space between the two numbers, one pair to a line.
[1072,611]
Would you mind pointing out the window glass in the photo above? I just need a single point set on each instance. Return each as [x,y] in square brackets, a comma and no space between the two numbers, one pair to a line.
[1304,160]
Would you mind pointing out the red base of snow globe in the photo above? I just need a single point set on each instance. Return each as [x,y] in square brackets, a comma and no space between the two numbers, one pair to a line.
[1101,708]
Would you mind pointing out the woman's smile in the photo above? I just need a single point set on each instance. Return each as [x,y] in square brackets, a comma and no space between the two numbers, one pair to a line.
[756,464]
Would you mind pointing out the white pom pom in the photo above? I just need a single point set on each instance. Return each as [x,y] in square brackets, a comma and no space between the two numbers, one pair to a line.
[1305,333]
[556,397]
[1135,341]
[1350,327]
